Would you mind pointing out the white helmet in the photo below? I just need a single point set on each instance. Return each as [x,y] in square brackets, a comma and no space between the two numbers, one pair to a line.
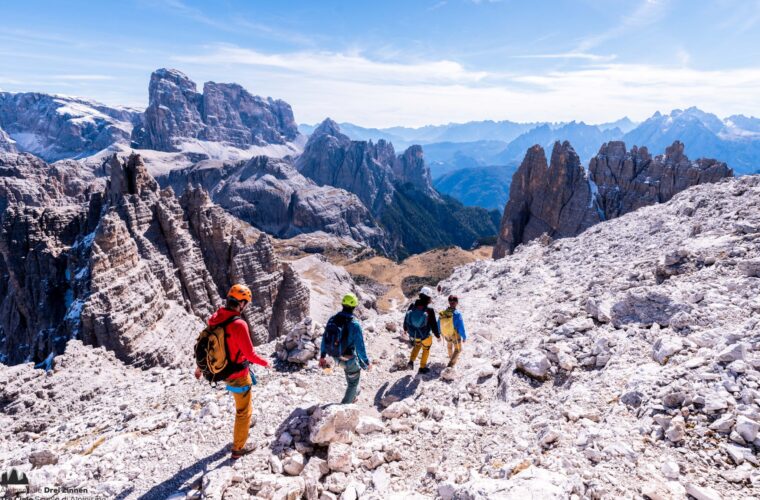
[427,292]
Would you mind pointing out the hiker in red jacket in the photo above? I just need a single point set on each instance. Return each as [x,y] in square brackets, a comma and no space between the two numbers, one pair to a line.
[240,351]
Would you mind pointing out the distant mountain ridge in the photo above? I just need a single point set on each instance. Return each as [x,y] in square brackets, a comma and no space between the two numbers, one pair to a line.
[734,139]
[56,127]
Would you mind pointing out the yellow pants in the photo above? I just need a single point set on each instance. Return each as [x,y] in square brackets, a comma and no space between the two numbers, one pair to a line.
[243,411]
[423,344]
[454,346]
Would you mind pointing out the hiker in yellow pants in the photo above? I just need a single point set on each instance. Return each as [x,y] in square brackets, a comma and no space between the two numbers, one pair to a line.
[424,346]
[451,326]
[419,322]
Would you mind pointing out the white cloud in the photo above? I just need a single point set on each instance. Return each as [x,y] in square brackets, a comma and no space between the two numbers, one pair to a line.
[352,87]
[570,55]
[339,66]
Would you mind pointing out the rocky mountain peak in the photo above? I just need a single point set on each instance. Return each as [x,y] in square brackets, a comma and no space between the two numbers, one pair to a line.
[675,152]
[549,199]
[410,167]
[327,127]
[564,199]
[128,177]
[225,112]
[164,80]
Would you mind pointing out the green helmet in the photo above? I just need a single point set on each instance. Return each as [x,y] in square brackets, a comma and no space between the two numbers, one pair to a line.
[350,300]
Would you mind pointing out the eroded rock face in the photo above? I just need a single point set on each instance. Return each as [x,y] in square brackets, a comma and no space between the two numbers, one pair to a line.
[364,168]
[129,262]
[273,197]
[222,113]
[552,199]
[410,167]
[55,127]
[7,144]
[563,200]
[627,180]
[330,158]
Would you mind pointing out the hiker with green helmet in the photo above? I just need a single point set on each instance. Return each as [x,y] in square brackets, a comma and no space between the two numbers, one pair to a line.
[419,322]
[343,339]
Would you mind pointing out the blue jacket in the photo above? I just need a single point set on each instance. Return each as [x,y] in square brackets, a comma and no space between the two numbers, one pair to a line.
[458,324]
[355,341]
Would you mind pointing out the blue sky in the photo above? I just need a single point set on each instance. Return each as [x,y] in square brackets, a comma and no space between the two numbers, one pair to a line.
[401,62]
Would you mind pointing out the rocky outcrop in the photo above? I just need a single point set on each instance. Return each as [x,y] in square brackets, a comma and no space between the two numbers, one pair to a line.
[225,113]
[552,199]
[330,158]
[7,145]
[364,168]
[55,127]
[627,180]
[563,200]
[130,263]
[410,167]
[273,197]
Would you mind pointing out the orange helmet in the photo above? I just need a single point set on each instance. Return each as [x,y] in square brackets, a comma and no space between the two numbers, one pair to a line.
[240,293]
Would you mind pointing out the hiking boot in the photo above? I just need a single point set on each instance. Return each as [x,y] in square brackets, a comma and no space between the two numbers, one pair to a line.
[410,365]
[248,448]
[423,370]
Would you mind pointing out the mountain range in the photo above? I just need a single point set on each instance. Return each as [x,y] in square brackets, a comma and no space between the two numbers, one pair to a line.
[734,139]
[247,152]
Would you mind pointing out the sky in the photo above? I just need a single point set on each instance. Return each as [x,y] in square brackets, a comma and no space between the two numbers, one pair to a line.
[408,62]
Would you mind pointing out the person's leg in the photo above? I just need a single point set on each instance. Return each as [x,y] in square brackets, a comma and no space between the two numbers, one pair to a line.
[353,374]
[449,347]
[243,411]
[415,350]
[457,351]
[425,351]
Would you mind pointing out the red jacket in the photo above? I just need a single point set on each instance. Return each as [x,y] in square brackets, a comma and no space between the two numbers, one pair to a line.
[239,340]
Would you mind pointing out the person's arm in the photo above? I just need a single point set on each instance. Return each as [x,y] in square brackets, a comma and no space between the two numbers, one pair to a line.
[433,323]
[239,330]
[406,322]
[361,350]
[459,325]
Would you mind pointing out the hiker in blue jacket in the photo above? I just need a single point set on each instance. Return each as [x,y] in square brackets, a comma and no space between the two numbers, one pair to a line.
[419,322]
[451,325]
[343,339]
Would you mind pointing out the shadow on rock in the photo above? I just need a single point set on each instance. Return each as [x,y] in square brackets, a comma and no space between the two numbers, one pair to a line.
[295,427]
[178,481]
[401,389]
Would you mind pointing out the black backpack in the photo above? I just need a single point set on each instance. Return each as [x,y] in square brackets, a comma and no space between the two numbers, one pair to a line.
[335,335]
[212,352]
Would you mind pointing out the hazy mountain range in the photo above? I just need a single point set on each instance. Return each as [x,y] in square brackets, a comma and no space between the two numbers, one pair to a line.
[461,155]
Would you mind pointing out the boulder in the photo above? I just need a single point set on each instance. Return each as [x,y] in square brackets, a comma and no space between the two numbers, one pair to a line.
[339,457]
[533,482]
[293,464]
[43,457]
[336,423]
[733,352]
[746,428]
[665,347]
[368,424]
[533,363]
